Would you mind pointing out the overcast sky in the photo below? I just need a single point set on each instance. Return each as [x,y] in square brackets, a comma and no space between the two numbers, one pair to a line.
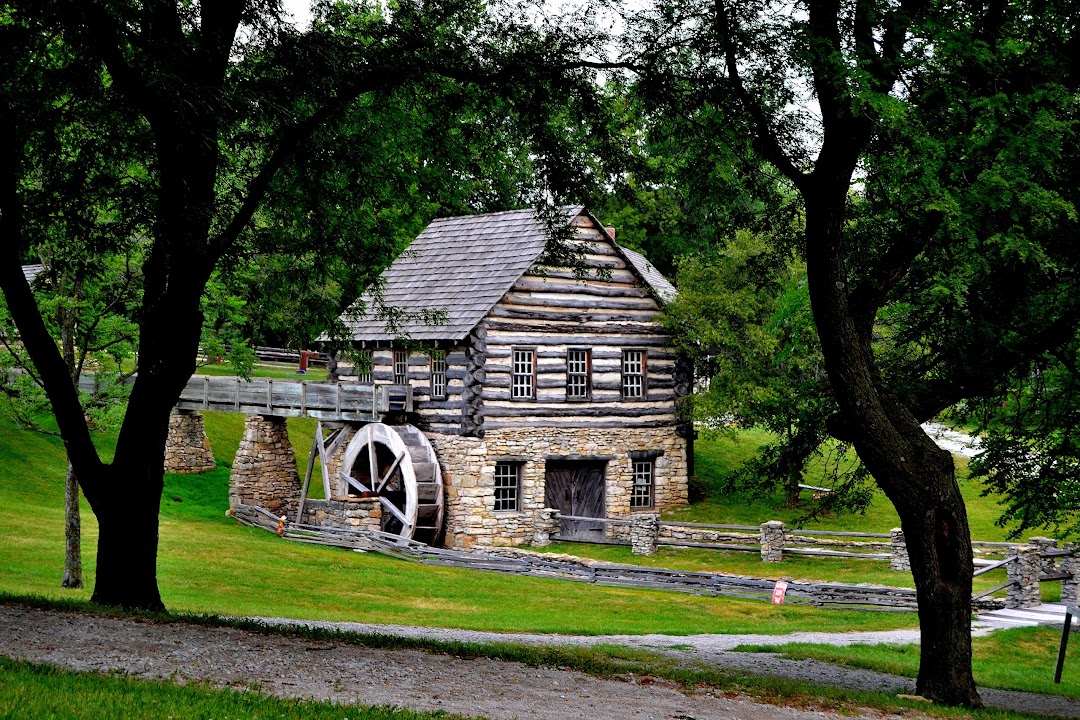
[299,9]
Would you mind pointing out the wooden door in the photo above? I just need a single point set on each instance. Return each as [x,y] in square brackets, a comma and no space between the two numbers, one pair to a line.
[576,488]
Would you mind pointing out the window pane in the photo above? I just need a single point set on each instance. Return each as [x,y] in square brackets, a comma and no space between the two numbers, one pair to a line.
[507,476]
[401,367]
[522,383]
[363,368]
[633,374]
[577,374]
[438,374]
[641,494]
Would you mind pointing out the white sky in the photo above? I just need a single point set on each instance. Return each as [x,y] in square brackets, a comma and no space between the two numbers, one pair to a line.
[299,9]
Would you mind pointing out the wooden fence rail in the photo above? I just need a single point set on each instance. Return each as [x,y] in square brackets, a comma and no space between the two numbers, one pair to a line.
[507,560]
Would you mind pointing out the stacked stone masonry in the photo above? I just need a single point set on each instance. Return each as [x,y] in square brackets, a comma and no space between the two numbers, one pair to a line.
[1023,572]
[264,470]
[900,560]
[351,513]
[468,465]
[187,449]
[772,541]
[643,532]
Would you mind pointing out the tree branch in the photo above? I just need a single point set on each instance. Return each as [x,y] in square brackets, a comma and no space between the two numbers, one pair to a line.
[24,311]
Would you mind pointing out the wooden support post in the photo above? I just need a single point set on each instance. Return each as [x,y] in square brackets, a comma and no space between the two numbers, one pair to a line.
[1069,612]
[307,475]
[322,461]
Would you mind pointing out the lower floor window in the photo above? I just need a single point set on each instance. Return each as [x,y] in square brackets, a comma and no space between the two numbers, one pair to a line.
[507,486]
[641,494]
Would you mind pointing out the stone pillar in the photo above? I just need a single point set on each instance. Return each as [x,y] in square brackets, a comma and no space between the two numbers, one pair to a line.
[187,450]
[1024,571]
[644,530]
[1070,588]
[772,541]
[899,560]
[1049,565]
[264,471]
[545,525]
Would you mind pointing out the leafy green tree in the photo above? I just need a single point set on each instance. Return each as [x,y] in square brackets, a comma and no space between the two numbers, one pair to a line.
[743,317]
[228,97]
[933,150]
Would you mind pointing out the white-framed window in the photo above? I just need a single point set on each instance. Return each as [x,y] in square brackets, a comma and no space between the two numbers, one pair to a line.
[633,374]
[507,486]
[363,367]
[642,492]
[401,367]
[438,374]
[578,374]
[523,374]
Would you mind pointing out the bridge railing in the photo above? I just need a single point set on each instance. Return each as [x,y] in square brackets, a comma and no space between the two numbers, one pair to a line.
[293,398]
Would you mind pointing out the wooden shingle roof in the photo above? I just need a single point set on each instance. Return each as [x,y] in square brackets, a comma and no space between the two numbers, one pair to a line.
[462,266]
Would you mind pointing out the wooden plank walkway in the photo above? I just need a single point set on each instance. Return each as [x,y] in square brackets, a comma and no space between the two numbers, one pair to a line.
[1045,614]
[295,398]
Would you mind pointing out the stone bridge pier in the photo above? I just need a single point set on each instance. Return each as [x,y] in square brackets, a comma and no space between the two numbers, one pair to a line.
[264,470]
[187,450]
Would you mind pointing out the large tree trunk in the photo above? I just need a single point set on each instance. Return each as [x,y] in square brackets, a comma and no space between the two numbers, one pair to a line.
[72,533]
[916,475]
[127,513]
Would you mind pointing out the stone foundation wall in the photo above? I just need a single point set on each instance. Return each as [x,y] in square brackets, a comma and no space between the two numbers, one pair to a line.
[468,466]
[341,512]
[264,471]
[187,449]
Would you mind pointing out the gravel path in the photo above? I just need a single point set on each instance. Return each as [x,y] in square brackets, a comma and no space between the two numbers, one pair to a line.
[292,667]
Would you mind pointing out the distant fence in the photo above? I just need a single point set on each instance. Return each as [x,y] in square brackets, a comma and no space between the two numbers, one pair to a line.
[1025,565]
[519,562]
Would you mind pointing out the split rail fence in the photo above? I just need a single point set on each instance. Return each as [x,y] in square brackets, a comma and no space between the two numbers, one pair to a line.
[522,562]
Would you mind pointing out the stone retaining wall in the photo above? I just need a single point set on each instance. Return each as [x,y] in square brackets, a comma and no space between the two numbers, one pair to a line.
[468,466]
[264,471]
[352,513]
[187,449]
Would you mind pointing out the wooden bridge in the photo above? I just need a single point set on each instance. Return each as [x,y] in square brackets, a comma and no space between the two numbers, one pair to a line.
[292,398]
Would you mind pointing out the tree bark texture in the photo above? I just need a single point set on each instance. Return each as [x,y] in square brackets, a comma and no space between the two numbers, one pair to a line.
[916,475]
[73,577]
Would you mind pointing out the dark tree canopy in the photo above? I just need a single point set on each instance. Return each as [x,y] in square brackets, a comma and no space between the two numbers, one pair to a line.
[265,152]
[932,148]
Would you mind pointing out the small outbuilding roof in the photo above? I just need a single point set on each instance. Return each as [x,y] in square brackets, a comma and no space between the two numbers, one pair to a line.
[462,266]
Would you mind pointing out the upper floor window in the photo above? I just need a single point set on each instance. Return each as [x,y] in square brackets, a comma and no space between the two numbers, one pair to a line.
[401,367]
[523,377]
[438,374]
[578,367]
[507,486]
[633,374]
[363,366]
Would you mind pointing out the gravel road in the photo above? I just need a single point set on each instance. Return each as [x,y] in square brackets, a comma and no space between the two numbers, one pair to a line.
[291,667]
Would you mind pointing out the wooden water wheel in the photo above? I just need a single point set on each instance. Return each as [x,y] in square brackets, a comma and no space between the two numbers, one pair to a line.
[397,465]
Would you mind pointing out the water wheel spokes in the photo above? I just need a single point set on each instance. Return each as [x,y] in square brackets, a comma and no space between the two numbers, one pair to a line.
[387,475]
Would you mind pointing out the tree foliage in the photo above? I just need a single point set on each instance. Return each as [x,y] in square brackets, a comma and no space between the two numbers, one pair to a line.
[932,148]
[267,152]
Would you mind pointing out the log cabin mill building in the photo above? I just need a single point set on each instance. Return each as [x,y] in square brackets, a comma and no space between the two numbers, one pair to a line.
[538,389]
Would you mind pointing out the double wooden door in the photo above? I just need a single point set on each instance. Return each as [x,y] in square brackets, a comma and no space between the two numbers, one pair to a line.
[576,488]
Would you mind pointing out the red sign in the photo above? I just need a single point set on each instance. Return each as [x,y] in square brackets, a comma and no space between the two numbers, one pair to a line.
[778,592]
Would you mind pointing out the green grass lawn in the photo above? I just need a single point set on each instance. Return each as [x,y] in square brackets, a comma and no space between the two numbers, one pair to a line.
[208,563]
[1017,659]
[267,370]
[35,692]
[718,456]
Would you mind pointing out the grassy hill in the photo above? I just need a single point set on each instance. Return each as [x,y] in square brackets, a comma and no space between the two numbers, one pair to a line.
[208,563]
